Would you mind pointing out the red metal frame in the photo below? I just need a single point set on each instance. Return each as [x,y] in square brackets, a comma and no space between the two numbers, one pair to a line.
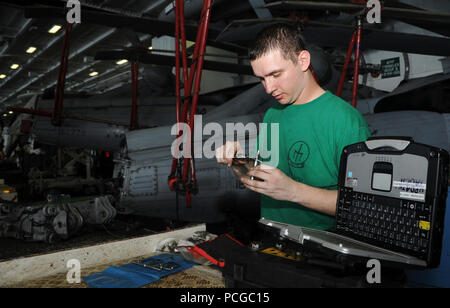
[357,56]
[59,95]
[172,181]
[197,59]
[188,180]
[356,39]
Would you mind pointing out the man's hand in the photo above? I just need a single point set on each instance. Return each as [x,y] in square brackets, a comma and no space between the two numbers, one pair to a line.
[277,185]
[227,152]
[273,183]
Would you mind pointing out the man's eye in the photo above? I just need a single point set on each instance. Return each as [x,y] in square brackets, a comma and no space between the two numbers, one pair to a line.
[276,75]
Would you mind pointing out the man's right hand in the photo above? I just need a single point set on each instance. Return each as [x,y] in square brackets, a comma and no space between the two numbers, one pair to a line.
[227,152]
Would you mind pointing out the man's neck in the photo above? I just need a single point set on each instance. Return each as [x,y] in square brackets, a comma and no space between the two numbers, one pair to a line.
[311,91]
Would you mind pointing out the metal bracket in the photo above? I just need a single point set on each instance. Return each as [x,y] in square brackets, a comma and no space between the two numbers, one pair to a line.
[260,10]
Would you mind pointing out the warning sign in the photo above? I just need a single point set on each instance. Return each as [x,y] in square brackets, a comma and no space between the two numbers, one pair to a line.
[390,68]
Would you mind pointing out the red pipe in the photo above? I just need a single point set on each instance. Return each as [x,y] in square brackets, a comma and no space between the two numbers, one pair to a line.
[193,68]
[191,78]
[179,23]
[188,85]
[187,92]
[59,94]
[357,56]
[179,13]
[206,14]
[177,86]
[183,44]
[347,61]
[181,114]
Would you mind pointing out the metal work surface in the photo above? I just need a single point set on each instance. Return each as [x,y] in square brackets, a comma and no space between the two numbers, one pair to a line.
[38,267]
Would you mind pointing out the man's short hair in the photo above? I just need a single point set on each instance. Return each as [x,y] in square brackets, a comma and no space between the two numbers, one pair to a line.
[285,37]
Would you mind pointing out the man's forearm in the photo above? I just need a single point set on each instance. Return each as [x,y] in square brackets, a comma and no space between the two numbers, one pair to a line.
[318,199]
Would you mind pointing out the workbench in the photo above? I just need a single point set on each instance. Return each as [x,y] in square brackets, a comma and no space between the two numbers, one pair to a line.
[199,276]
[50,270]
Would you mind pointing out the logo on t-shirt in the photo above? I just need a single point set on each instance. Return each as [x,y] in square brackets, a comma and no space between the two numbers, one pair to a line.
[298,154]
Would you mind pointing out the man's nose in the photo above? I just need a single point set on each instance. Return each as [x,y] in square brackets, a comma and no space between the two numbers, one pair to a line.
[270,87]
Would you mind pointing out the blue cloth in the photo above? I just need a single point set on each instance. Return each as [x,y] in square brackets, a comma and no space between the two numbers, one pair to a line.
[134,275]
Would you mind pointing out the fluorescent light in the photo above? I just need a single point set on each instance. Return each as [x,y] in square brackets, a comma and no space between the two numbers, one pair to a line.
[150,48]
[92,74]
[31,49]
[122,61]
[54,29]
[2,76]
[15,66]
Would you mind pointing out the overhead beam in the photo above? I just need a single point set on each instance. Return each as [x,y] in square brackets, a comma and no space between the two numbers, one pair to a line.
[170,61]
[338,35]
[387,11]
[152,26]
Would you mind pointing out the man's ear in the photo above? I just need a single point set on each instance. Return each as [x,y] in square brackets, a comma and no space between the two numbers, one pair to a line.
[304,59]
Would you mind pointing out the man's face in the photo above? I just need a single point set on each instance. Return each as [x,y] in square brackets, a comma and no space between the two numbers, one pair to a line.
[282,78]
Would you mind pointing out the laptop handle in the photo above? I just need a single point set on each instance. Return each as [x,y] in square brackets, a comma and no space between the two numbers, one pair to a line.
[395,143]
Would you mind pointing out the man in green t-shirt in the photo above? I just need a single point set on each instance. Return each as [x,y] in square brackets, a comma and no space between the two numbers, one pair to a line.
[300,186]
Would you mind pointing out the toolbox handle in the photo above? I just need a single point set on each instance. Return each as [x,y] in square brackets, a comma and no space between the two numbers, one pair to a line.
[397,143]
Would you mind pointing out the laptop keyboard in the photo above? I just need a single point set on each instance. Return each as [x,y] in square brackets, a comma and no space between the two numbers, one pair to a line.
[394,224]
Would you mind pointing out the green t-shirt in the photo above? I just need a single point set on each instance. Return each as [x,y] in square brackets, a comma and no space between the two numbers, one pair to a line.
[311,139]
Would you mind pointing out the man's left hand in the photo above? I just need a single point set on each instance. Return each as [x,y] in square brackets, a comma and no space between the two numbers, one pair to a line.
[272,182]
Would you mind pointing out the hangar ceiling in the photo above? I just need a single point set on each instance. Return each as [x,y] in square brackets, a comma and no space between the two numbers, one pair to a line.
[23,74]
